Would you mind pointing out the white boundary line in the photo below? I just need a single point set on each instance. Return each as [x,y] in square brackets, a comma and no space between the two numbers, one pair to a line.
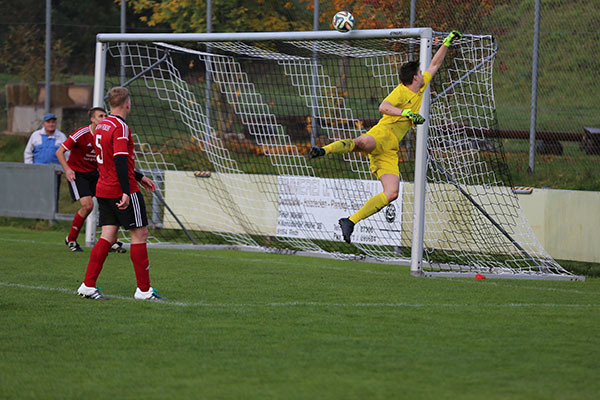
[308,304]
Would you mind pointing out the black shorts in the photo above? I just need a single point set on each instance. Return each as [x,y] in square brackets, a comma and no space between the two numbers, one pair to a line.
[83,185]
[133,216]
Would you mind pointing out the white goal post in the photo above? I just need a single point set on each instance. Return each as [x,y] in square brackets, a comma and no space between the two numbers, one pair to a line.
[223,121]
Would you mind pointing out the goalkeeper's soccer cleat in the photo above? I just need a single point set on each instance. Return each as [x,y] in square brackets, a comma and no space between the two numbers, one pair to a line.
[90,293]
[347,228]
[117,247]
[73,246]
[316,151]
[151,294]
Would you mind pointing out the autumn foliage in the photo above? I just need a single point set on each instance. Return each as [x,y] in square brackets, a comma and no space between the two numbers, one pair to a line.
[297,15]
[440,15]
[228,15]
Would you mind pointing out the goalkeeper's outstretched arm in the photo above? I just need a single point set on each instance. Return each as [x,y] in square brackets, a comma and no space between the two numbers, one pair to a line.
[438,58]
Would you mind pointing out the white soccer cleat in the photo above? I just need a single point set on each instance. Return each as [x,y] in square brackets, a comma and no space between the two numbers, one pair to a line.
[90,293]
[151,294]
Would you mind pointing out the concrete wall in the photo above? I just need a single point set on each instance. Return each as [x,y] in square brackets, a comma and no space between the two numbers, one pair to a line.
[566,222]
[27,190]
[26,119]
[232,203]
[25,110]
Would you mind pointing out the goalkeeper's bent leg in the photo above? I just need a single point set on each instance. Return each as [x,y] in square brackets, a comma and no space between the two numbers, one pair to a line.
[372,206]
[340,147]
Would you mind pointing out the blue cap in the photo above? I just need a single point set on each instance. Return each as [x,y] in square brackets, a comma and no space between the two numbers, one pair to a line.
[48,117]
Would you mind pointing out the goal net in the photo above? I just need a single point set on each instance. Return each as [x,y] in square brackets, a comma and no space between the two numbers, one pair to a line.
[223,123]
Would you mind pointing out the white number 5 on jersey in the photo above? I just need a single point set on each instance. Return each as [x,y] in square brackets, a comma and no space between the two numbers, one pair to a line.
[99,156]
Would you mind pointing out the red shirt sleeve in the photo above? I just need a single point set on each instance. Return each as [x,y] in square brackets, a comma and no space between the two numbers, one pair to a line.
[68,144]
[120,141]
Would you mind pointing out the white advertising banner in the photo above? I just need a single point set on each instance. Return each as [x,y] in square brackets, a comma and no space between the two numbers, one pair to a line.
[310,208]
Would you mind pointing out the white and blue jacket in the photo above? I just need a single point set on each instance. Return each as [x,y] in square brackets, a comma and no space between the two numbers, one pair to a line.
[41,148]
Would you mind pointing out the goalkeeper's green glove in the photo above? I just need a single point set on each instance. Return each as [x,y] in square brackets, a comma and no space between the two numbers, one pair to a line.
[414,117]
[451,37]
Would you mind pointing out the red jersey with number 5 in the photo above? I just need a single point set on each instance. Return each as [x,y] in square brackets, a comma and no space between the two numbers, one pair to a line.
[113,138]
[83,153]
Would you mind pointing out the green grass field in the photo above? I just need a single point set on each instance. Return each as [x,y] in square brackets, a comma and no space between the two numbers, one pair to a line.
[262,326]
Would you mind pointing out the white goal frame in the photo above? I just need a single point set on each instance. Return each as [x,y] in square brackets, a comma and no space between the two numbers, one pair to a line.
[425,37]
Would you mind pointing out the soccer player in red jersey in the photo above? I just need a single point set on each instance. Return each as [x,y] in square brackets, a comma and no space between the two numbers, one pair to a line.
[82,174]
[120,202]
[81,171]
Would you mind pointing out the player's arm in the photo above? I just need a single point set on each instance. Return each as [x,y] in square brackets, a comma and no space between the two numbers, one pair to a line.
[123,176]
[439,56]
[147,183]
[389,109]
[60,155]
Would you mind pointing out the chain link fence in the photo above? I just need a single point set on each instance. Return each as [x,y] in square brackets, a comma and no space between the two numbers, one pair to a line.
[567,146]
[567,149]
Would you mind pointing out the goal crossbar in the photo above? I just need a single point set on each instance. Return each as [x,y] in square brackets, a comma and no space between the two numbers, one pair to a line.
[262,36]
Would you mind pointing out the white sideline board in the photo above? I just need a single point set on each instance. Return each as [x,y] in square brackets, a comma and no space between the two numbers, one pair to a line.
[309,208]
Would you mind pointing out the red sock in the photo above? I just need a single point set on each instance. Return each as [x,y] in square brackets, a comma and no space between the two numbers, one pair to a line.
[97,257]
[139,257]
[78,221]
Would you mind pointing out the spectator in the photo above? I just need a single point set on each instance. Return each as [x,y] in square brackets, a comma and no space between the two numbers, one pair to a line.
[42,145]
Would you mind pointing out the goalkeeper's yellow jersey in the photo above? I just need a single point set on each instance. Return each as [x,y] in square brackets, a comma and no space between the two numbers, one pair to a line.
[404,98]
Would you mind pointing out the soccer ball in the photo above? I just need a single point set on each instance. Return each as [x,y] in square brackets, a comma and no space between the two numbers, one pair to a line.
[343,21]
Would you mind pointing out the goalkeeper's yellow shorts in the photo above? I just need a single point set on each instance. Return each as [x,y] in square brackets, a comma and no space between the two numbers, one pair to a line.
[384,158]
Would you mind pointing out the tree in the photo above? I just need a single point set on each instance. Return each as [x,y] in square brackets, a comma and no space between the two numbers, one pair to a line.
[440,15]
[23,54]
[74,23]
[228,15]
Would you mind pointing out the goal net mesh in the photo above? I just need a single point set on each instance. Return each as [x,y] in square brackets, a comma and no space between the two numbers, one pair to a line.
[224,128]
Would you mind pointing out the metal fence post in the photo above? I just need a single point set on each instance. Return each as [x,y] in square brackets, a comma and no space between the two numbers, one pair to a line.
[47,104]
[534,84]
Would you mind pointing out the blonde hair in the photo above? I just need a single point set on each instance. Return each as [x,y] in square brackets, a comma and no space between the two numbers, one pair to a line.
[118,96]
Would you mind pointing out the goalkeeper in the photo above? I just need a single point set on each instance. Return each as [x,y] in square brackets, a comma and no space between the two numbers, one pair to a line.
[381,143]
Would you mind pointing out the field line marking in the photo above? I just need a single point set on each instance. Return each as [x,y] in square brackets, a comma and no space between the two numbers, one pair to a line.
[308,304]
[29,241]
